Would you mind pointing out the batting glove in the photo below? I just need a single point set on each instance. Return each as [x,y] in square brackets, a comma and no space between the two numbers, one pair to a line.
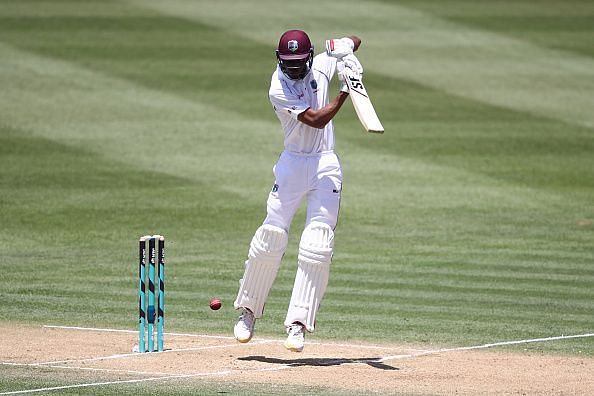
[340,68]
[338,48]
[351,62]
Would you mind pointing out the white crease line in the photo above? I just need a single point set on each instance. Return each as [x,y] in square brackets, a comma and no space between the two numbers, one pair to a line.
[484,346]
[135,332]
[378,347]
[286,366]
[275,368]
[420,352]
[115,382]
[83,368]
[142,355]
[163,376]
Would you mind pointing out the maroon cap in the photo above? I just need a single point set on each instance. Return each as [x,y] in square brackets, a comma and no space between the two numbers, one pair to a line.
[294,44]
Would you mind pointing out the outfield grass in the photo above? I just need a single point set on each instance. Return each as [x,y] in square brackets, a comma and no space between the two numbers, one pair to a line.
[18,379]
[470,221]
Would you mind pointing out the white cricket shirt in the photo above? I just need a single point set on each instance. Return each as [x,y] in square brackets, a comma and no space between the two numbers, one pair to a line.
[290,98]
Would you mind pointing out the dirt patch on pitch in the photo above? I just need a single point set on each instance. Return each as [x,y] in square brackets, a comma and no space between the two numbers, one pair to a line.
[101,355]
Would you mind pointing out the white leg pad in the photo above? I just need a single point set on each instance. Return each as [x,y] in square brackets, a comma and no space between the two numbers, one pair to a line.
[313,269]
[266,252]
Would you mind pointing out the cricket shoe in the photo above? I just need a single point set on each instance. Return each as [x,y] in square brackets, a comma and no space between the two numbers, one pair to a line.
[296,337]
[244,328]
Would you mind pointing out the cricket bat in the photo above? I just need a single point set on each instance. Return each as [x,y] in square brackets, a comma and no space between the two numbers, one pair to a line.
[362,104]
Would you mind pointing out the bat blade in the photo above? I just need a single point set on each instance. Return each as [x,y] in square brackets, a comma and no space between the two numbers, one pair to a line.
[362,104]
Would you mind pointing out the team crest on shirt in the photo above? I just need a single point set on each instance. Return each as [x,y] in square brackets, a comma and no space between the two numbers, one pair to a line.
[275,188]
[314,84]
[293,45]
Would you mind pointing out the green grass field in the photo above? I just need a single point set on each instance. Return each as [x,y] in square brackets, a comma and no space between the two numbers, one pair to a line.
[470,221]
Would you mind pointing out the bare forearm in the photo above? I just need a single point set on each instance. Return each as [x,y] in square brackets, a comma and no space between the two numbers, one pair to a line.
[331,109]
[319,118]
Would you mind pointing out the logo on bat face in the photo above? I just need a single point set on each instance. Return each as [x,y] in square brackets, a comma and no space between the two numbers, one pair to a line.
[275,188]
[293,45]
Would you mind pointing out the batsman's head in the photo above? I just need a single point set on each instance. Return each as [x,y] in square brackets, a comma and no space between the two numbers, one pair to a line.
[295,54]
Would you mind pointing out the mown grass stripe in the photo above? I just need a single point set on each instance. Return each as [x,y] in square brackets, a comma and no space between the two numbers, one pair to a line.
[469,219]
[496,68]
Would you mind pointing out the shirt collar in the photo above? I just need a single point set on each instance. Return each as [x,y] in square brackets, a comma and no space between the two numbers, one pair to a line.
[288,80]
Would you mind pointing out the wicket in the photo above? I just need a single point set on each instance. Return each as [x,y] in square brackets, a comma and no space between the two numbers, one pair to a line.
[146,314]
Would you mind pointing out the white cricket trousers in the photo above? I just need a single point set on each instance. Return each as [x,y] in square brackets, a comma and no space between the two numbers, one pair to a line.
[315,176]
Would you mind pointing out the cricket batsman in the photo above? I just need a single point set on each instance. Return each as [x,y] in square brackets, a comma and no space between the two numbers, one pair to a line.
[307,168]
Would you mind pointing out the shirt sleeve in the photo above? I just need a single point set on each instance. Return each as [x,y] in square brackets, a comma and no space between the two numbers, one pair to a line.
[285,100]
[325,64]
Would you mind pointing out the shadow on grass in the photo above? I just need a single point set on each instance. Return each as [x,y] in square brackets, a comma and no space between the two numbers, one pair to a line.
[320,362]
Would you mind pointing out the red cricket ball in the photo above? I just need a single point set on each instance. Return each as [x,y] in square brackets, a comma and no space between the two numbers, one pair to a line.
[215,303]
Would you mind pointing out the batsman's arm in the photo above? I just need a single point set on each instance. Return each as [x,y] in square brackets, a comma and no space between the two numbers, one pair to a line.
[341,47]
[356,41]
[319,118]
